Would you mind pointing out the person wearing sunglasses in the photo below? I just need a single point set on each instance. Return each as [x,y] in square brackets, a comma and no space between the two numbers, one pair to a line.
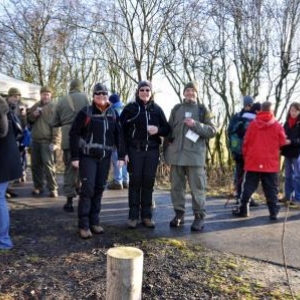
[143,123]
[93,136]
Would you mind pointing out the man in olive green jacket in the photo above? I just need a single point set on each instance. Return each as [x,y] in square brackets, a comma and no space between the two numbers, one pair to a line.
[45,141]
[185,151]
[66,111]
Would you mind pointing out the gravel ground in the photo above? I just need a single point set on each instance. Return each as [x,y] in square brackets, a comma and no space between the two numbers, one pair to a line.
[49,261]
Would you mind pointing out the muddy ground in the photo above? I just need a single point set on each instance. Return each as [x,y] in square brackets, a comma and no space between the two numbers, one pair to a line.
[50,261]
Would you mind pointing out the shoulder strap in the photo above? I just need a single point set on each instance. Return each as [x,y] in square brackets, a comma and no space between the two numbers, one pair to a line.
[71,102]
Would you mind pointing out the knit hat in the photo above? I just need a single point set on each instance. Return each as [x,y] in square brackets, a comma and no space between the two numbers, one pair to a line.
[114,98]
[45,89]
[99,87]
[13,91]
[76,84]
[191,85]
[255,107]
[144,83]
[247,101]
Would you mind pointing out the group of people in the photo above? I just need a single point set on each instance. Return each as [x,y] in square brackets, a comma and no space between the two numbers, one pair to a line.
[94,133]
[256,140]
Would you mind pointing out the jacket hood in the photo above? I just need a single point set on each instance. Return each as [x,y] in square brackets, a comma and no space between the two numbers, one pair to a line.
[264,119]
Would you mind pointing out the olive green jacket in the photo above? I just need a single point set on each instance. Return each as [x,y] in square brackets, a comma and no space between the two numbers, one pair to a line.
[178,149]
[65,113]
[41,129]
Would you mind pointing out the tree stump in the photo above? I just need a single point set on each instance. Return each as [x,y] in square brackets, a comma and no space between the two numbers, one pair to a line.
[124,273]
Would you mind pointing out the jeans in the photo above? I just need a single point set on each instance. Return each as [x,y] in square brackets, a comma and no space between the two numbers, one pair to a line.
[5,241]
[292,178]
[120,174]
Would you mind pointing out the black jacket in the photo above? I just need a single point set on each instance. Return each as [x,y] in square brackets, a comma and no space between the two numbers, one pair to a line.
[10,160]
[135,118]
[94,133]
[293,134]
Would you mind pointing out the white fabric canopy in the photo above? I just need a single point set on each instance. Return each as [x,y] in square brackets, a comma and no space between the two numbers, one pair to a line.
[30,92]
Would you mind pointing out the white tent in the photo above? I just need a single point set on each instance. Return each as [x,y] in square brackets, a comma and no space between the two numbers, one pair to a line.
[30,92]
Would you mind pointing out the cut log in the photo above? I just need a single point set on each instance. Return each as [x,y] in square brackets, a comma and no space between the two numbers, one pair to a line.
[124,273]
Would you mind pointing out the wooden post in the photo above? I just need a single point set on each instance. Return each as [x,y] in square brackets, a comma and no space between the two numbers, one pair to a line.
[124,273]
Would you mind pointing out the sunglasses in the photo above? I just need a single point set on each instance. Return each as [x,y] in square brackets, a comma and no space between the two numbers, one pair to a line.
[145,90]
[101,93]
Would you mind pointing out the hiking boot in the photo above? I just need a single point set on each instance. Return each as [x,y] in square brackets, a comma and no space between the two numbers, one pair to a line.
[36,192]
[274,216]
[178,219]
[97,229]
[148,223]
[115,186]
[198,223]
[131,224]
[68,207]
[11,194]
[253,203]
[241,211]
[53,194]
[125,185]
[283,200]
[85,233]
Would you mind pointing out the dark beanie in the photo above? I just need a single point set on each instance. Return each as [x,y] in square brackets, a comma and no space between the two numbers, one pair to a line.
[99,87]
[76,84]
[247,101]
[144,83]
[191,85]
[114,98]
[255,107]
[46,89]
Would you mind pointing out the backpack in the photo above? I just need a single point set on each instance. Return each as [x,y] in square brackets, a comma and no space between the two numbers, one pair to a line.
[236,132]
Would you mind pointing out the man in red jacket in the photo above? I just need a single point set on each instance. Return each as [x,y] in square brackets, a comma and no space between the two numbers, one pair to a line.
[261,151]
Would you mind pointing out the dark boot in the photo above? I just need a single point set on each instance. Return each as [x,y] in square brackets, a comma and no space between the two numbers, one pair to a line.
[241,211]
[253,203]
[68,207]
[198,223]
[273,210]
[178,219]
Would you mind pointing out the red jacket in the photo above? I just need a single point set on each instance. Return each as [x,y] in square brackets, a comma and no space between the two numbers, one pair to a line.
[262,142]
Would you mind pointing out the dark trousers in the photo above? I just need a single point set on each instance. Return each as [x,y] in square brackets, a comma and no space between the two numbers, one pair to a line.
[93,176]
[269,183]
[239,174]
[142,171]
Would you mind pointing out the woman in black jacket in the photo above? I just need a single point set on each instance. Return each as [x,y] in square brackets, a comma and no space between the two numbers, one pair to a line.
[93,135]
[11,167]
[142,123]
[291,153]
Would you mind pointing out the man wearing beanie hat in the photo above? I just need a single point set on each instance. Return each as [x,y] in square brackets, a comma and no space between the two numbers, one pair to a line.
[236,136]
[45,140]
[120,174]
[66,110]
[185,151]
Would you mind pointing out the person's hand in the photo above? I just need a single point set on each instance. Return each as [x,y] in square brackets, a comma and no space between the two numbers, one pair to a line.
[189,122]
[53,147]
[37,112]
[126,159]
[75,164]
[120,163]
[152,129]
[288,142]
